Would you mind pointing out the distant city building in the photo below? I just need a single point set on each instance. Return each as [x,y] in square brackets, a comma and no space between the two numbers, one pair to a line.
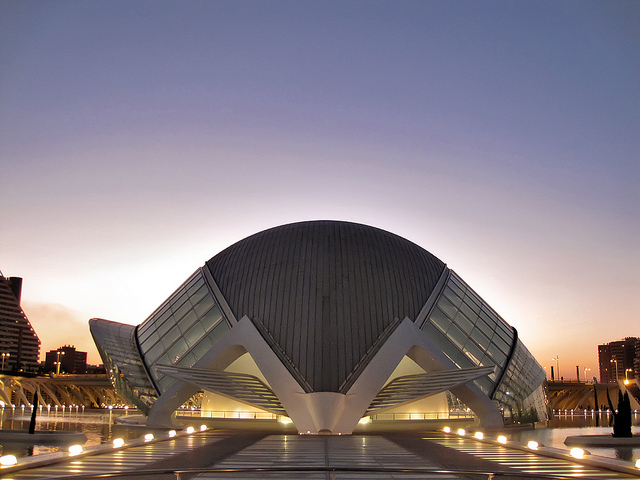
[69,359]
[327,323]
[619,360]
[19,344]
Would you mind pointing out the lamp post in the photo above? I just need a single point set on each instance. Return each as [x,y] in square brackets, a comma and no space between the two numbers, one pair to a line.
[4,355]
[58,353]
[613,360]
[585,373]
[557,359]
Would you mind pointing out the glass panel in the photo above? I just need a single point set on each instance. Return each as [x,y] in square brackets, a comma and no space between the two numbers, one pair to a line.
[473,352]
[496,354]
[171,337]
[464,323]
[177,350]
[211,318]
[218,331]
[188,320]
[205,304]
[201,348]
[440,319]
[447,307]
[182,309]
[458,291]
[187,360]
[165,327]
[194,335]
[456,336]
[480,338]
[152,355]
[455,300]
[470,314]
[198,294]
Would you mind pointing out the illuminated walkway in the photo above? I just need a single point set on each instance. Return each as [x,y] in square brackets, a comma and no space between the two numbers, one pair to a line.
[521,461]
[391,456]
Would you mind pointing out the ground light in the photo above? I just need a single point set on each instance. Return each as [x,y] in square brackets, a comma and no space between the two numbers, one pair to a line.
[190,430]
[479,435]
[203,428]
[461,432]
[447,429]
[577,452]
[532,444]
[502,439]
[171,433]
[118,442]
[637,462]
[75,449]
[148,437]
[8,460]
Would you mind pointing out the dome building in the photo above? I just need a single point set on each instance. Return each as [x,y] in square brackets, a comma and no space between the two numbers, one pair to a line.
[324,322]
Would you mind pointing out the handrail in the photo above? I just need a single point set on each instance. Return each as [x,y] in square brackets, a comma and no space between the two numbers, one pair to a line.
[332,470]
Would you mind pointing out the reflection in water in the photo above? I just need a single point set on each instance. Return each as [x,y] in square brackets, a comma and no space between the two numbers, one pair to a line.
[97,425]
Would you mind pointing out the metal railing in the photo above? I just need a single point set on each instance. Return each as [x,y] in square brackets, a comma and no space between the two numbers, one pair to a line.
[272,416]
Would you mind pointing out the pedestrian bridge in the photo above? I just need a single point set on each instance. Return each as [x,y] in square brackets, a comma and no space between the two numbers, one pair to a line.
[58,390]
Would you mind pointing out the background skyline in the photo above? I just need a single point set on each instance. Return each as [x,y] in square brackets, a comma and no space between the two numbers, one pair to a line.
[139,139]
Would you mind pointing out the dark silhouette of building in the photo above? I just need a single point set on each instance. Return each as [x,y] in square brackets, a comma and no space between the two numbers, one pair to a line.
[619,360]
[70,360]
[19,344]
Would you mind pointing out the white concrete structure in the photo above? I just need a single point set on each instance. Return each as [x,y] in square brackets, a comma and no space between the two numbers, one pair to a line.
[327,312]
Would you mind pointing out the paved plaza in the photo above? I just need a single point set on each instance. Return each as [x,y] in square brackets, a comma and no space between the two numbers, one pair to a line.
[430,455]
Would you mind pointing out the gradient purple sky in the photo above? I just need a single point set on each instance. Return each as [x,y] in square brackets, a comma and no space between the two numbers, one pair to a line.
[138,139]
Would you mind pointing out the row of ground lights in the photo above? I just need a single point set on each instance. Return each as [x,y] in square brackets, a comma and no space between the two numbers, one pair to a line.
[10,460]
[532,444]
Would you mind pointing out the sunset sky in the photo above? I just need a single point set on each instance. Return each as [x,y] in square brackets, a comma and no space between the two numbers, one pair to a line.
[138,139]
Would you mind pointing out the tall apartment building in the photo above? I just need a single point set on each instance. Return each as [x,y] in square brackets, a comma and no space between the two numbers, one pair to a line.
[69,359]
[19,344]
[619,360]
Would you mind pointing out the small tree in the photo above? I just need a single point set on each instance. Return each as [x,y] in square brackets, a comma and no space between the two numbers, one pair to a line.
[622,416]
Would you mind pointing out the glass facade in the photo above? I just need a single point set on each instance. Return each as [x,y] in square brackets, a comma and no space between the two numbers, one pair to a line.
[117,347]
[182,330]
[471,334]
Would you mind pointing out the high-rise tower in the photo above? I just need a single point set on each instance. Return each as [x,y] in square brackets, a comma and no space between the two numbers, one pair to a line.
[19,344]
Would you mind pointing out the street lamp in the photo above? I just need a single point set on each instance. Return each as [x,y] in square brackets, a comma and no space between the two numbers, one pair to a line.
[5,355]
[58,353]
[614,360]
[557,359]
[585,373]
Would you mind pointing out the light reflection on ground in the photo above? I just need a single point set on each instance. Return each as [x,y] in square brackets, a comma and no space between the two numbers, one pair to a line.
[564,426]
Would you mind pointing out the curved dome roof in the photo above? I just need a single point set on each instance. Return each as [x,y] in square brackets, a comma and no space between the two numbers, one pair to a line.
[323,292]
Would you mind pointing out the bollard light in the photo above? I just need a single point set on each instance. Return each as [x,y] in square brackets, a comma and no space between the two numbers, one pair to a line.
[8,460]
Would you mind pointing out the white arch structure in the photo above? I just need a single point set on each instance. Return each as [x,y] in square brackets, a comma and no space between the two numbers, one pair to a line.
[329,412]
